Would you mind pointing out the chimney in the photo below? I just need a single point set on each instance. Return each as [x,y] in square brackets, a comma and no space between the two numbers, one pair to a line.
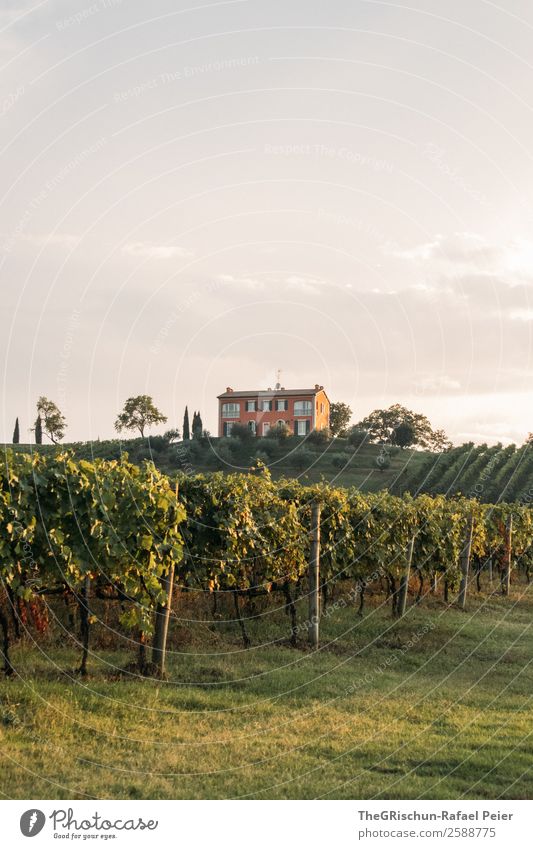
[229,389]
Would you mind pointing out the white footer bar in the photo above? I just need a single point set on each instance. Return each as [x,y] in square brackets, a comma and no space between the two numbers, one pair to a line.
[268,824]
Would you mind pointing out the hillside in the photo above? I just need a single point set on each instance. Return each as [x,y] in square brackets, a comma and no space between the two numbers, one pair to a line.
[490,474]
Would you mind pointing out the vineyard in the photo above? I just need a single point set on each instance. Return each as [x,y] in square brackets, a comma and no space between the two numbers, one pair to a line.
[487,473]
[79,532]
[490,474]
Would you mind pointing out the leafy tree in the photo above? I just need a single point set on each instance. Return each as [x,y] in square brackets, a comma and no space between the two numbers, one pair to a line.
[171,435]
[38,431]
[186,427]
[382,424]
[339,418]
[139,413]
[16,433]
[53,422]
[439,441]
[404,435]
[280,431]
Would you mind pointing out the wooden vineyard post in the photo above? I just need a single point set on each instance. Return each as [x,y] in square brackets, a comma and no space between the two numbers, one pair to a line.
[314,578]
[465,561]
[162,618]
[490,570]
[85,621]
[508,555]
[404,580]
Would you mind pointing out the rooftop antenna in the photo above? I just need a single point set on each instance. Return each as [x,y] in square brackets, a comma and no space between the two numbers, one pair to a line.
[278,379]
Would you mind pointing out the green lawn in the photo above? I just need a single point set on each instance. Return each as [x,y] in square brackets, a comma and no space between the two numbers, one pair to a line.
[367,716]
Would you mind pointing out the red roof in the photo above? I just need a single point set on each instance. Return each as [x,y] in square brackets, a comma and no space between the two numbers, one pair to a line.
[271,393]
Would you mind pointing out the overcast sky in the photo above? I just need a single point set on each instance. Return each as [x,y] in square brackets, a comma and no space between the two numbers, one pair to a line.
[194,195]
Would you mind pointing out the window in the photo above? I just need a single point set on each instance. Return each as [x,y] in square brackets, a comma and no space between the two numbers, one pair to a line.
[302,427]
[231,411]
[266,428]
[251,426]
[282,404]
[302,408]
[266,406]
[250,406]
[322,408]
[228,426]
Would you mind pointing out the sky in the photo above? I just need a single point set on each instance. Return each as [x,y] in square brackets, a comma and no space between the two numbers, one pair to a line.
[194,195]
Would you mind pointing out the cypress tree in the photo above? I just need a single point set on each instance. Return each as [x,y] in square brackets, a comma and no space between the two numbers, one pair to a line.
[197,428]
[16,433]
[39,431]
[186,428]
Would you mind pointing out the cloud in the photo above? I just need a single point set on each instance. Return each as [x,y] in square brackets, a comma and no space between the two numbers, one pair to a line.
[437,384]
[521,314]
[148,251]
[241,281]
[460,252]
[308,284]
[456,249]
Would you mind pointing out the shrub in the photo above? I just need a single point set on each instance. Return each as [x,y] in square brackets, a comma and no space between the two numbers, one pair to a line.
[280,432]
[268,446]
[260,457]
[157,444]
[358,437]
[143,454]
[382,461]
[303,459]
[224,457]
[195,451]
[319,437]
[338,460]
[241,432]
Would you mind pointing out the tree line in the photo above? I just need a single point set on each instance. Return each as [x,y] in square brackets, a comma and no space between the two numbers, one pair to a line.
[138,414]
[395,426]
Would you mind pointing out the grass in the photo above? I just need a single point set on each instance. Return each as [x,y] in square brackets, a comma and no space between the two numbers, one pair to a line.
[438,705]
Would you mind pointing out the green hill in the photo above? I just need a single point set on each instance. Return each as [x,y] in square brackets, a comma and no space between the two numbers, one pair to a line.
[488,473]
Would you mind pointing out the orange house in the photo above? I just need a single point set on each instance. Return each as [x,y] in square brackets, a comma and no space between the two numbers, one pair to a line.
[302,410]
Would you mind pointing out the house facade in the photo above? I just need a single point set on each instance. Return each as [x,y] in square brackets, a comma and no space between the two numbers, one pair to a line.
[302,410]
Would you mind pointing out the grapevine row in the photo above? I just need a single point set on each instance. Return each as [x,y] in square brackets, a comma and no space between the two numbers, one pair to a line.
[115,530]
